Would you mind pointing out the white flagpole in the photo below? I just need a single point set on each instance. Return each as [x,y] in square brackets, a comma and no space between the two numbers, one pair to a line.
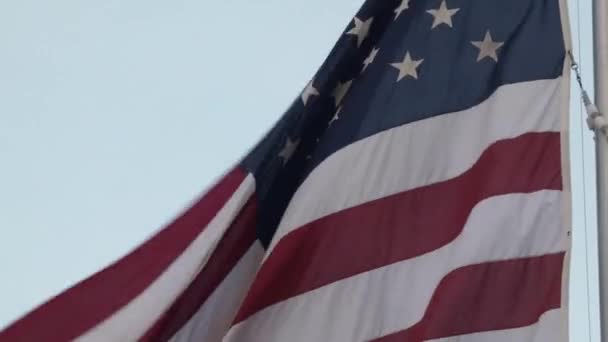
[598,123]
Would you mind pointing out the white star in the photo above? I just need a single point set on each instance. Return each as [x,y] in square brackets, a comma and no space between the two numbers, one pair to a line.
[442,15]
[408,67]
[405,4]
[336,117]
[309,91]
[341,90]
[370,59]
[487,47]
[361,29]
[288,150]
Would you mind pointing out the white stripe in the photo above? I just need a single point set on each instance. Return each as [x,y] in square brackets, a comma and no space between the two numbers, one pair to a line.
[212,320]
[421,153]
[551,327]
[135,318]
[393,298]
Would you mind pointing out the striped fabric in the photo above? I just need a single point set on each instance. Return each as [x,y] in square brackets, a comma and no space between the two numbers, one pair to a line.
[416,190]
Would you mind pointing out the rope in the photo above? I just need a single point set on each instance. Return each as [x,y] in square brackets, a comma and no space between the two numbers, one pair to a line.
[595,120]
[575,67]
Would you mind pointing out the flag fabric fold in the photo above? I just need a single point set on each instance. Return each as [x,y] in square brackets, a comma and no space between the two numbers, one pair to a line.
[416,190]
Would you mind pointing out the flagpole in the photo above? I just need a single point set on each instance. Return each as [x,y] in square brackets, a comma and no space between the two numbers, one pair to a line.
[600,34]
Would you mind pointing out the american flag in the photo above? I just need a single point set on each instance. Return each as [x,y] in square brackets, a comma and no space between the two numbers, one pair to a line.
[415,190]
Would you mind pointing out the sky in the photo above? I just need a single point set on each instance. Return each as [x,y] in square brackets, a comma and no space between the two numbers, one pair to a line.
[114,115]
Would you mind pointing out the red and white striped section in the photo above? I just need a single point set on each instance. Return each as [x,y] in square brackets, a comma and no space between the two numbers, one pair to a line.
[393,225]
[134,292]
[225,278]
[213,318]
[395,297]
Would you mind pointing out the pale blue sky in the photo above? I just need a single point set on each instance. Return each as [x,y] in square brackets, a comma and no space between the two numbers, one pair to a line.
[115,114]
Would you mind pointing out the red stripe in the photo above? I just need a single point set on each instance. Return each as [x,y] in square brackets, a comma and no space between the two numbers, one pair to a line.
[401,226]
[490,296]
[91,301]
[229,251]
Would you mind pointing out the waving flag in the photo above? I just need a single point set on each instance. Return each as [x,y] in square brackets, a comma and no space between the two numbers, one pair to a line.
[414,191]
